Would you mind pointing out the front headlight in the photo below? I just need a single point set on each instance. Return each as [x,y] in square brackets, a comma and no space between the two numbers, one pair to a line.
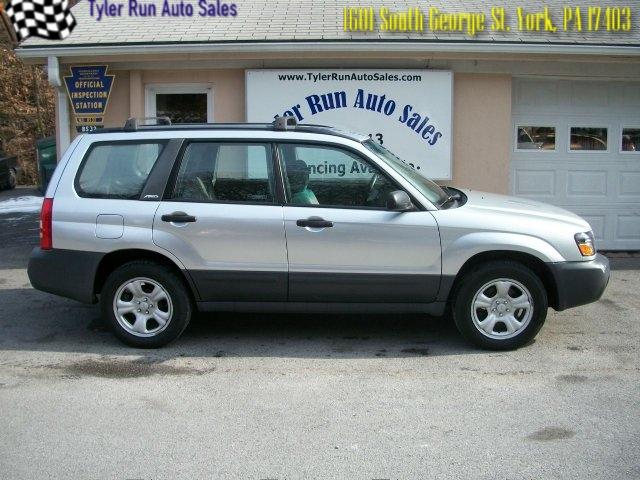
[586,243]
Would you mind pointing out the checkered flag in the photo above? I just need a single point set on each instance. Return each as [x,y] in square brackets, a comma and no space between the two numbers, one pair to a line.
[49,19]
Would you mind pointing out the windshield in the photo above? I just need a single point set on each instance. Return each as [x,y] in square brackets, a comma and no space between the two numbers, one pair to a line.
[429,189]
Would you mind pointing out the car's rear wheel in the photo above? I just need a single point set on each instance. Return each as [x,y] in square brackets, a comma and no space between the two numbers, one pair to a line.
[146,304]
[500,305]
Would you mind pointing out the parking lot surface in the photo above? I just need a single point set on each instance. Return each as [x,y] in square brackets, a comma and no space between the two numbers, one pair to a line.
[312,396]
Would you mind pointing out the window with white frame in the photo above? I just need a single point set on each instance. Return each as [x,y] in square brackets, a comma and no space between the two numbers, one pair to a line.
[588,139]
[535,138]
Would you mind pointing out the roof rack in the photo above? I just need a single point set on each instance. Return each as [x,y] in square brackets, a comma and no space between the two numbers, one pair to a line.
[285,123]
[132,124]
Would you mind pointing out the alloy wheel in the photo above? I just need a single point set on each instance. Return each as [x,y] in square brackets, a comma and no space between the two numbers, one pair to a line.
[143,307]
[502,308]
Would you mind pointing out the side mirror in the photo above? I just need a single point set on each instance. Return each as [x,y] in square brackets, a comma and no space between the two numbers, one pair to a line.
[399,201]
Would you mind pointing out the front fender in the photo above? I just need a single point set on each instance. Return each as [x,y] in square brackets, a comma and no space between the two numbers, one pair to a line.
[456,252]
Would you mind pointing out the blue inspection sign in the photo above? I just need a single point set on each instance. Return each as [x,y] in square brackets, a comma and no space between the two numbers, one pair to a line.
[89,88]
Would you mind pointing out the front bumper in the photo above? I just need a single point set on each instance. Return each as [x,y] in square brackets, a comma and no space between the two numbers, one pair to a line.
[579,283]
[68,273]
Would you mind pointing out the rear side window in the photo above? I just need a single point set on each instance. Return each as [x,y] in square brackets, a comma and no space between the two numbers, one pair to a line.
[117,170]
[226,172]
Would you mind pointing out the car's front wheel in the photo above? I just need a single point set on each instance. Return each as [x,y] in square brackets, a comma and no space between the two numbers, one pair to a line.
[500,305]
[146,304]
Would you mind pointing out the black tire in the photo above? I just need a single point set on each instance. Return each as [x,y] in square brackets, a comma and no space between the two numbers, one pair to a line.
[12,182]
[484,274]
[174,286]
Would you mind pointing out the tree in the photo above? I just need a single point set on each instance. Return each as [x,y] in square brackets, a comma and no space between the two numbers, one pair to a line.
[27,107]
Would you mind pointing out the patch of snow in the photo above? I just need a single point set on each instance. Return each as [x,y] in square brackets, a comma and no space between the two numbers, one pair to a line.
[27,203]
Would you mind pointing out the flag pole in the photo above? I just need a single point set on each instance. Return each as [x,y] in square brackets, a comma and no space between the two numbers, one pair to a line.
[13,38]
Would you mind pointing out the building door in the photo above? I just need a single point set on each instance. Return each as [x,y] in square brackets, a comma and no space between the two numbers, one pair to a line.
[183,103]
[576,144]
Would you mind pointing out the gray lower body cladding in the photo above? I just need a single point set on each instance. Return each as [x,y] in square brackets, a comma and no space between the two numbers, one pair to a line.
[240,286]
[362,287]
[579,283]
[433,308]
[67,273]
[72,273]
[316,292]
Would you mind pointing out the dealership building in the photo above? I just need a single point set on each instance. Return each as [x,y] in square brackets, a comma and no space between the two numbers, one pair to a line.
[551,116]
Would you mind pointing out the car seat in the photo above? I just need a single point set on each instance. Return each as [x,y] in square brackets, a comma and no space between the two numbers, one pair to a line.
[197,182]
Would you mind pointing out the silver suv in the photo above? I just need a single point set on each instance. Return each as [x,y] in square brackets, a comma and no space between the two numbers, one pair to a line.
[156,222]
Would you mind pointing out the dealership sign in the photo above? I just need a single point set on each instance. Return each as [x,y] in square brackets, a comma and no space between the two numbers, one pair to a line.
[89,88]
[407,111]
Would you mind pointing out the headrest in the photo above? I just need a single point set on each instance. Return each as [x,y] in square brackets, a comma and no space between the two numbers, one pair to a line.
[298,175]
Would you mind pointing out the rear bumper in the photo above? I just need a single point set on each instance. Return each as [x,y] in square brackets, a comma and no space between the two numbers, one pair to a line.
[68,273]
[579,283]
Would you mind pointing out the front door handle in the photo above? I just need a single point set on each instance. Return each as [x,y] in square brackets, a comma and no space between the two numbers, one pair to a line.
[178,217]
[314,222]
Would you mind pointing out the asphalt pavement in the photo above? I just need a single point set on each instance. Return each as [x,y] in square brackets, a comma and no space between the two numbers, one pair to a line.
[313,396]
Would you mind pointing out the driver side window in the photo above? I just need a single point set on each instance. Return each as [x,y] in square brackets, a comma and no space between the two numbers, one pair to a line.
[332,177]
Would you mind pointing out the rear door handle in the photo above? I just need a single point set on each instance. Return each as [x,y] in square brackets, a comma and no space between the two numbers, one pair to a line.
[178,217]
[314,222]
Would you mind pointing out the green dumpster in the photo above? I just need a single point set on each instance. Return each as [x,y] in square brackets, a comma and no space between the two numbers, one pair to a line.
[47,160]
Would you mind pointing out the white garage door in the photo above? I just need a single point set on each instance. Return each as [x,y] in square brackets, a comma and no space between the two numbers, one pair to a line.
[576,144]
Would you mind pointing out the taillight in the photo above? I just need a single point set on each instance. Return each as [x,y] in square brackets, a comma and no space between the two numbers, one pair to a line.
[46,221]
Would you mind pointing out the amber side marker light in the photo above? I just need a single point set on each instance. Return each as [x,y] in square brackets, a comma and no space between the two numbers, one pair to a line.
[585,243]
